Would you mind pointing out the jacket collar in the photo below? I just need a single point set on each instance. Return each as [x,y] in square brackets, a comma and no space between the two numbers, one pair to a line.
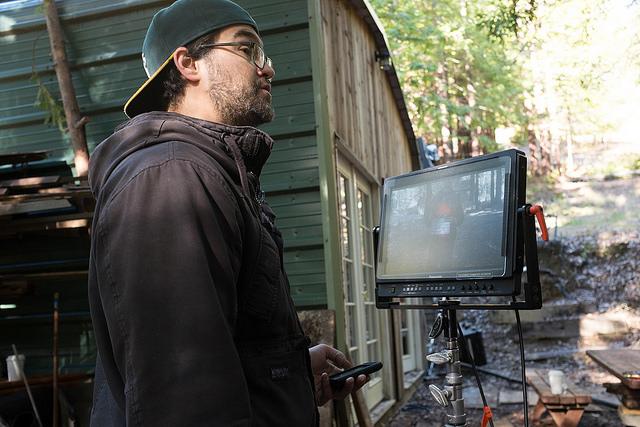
[254,145]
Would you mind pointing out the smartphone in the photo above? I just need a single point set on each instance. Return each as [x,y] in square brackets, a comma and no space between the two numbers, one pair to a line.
[337,380]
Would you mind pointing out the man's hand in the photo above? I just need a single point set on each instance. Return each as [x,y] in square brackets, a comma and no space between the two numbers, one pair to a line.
[326,360]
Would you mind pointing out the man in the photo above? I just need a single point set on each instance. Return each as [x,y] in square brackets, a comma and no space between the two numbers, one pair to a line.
[193,319]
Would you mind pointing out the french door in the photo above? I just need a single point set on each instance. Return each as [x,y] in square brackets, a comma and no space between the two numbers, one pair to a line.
[355,204]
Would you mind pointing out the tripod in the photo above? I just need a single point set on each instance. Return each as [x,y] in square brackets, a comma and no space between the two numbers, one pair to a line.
[451,395]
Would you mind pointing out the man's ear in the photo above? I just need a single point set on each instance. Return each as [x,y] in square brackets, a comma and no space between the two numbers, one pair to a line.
[186,65]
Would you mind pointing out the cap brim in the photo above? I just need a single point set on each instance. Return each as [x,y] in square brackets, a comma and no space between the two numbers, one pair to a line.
[149,96]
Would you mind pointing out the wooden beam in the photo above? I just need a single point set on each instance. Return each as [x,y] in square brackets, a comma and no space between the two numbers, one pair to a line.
[64,192]
[78,220]
[30,182]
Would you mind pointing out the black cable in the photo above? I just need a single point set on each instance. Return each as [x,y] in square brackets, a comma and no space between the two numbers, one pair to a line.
[523,368]
[489,372]
[475,370]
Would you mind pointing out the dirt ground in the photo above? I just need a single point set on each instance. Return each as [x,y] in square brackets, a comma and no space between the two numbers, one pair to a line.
[593,262]
[422,411]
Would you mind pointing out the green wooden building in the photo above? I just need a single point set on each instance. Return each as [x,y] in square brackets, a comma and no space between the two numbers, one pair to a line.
[341,127]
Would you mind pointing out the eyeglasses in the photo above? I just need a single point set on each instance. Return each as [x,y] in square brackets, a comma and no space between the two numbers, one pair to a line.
[254,54]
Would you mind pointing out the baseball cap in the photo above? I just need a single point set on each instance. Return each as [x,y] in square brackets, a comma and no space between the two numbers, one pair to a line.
[172,27]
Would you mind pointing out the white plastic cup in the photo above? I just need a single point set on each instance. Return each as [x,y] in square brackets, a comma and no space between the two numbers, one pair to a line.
[15,367]
[556,381]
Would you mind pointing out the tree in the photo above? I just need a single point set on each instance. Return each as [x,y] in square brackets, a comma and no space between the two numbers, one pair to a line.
[75,123]
[551,70]
[459,73]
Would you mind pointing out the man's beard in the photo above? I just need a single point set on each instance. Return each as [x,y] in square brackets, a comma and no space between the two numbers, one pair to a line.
[238,104]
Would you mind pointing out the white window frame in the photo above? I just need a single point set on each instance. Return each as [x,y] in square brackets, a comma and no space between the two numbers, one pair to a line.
[379,385]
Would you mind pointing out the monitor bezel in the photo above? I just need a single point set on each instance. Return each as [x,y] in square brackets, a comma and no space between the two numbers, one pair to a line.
[507,284]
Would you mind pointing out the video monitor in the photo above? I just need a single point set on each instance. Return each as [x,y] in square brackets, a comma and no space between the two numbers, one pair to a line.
[451,230]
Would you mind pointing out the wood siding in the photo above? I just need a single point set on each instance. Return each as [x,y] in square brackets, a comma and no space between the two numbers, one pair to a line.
[362,112]
[104,40]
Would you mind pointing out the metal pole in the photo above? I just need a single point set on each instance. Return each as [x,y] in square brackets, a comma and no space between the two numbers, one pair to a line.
[450,396]
[456,415]
[55,359]
[26,385]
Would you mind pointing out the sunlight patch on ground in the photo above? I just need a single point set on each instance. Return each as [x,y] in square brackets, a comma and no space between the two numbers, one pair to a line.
[595,206]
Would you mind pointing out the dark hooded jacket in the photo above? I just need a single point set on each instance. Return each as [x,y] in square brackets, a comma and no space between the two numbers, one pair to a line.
[190,304]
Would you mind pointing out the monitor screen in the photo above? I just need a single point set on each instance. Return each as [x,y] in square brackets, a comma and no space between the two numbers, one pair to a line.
[447,223]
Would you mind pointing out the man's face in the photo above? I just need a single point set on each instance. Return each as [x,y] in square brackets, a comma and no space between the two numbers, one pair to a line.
[238,89]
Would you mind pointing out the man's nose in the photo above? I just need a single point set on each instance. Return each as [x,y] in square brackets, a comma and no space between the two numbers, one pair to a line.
[268,72]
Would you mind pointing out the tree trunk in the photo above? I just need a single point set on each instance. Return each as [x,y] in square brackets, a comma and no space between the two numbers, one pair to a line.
[534,151]
[75,123]
[570,165]
[444,119]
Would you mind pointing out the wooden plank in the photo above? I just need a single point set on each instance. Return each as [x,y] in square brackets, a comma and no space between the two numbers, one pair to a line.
[7,209]
[362,109]
[50,275]
[78,220]
[70,192]
[30,182]
[566,409]
[15,158]
[9,387]
[572,396]
[570,418]
[619,362]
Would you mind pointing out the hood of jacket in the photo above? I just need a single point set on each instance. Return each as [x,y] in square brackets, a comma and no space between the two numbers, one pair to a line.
[241,148]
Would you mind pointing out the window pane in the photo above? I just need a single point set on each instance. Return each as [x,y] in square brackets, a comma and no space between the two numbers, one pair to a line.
[364,208]
[404,332]
[345,218]
[405,342]
[343,195]
[347,280]
[371,332]
[367,247]
[363,245]
[374,355]
[355,357]
[345,237]
[353,326]
[369,288]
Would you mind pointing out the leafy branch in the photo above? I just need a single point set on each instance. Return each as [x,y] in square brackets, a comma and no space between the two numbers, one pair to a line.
[47,103]
[44,99]
[508,18]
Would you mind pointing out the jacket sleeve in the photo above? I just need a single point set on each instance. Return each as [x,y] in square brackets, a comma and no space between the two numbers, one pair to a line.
[170,253]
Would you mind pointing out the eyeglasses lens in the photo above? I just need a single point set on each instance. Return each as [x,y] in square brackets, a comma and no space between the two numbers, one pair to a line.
[258,56]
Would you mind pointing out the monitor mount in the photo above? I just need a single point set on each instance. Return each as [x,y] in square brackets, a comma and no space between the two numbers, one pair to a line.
[450,395]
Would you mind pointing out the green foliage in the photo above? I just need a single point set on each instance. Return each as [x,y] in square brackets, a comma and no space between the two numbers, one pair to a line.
[457,62]
[506,18]
[47,103]
[44,99]
[554,71]
[488,144]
